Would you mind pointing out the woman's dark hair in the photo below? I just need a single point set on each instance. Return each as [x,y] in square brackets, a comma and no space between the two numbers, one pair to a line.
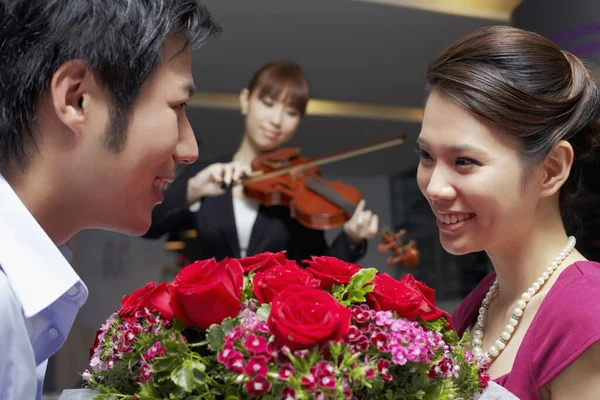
[282,78]
[526,86]
[121,41]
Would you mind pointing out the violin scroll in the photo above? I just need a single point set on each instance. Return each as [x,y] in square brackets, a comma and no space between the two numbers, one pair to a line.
[406,255]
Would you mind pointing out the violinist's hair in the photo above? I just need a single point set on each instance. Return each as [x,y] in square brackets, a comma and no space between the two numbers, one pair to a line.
[121,41]
[523,84]
[282,80]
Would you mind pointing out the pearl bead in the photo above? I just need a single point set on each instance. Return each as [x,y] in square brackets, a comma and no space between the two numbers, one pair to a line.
[493,351]
[517,312]
[541,281]
[505,336]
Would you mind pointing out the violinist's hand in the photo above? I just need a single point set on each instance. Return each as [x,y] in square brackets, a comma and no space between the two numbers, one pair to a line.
[362,225]
[208,181]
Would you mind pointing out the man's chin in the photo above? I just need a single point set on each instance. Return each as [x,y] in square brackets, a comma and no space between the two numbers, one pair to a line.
[133,227]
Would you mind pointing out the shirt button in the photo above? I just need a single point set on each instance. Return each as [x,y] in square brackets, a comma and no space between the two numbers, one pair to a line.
[53,333]
[72,291]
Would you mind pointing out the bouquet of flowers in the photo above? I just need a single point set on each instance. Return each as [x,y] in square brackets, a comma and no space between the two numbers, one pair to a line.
[263,327]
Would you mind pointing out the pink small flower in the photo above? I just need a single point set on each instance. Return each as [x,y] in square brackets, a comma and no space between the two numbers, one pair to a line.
[320,396]
[383,366]
[234,334]
[258,387]
[257,366]
[354,334]
[327,382]
[156,351]
[256,344]
[285,372]
[236,364]
[309,382]
[323,367]
[346,388]
[86,375]
[145,372]
[380,340]
[288,394]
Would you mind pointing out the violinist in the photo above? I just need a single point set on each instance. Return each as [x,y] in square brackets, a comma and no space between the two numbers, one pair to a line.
[228,224]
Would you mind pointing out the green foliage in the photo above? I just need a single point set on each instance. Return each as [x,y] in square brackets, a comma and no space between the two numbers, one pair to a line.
[356,289]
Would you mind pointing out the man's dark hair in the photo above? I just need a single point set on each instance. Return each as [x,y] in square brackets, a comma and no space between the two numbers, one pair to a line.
[121,41]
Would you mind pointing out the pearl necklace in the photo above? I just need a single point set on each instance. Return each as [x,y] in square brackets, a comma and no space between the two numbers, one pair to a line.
[500,344]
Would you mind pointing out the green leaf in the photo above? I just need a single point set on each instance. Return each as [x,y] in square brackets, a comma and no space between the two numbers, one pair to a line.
[437,325]
[247,292]
[361,278]
[228,324]
[164,363]
[184,376]
[337,290]
[451,337]
[263,312]
[216,337]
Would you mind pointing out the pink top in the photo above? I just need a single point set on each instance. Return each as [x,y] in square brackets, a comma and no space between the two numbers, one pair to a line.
[566,325]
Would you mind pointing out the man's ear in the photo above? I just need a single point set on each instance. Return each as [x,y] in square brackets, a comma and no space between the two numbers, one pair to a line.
[69,88]
[244,100]
[556,168]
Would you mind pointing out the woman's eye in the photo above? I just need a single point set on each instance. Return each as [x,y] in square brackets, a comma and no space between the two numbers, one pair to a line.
[466,162]
[268,103]
[293,113]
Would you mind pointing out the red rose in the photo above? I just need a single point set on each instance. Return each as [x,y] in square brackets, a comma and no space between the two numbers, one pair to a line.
[302,317]
[404,297]
[152,296]
[263,260]
[269,282]
[96,343]
[410,281]
[207,292]
[331,270]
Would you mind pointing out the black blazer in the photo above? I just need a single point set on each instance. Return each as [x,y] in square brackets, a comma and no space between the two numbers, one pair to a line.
[274,230]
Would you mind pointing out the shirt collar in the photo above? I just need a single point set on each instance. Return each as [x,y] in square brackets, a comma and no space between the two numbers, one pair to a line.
[38,271]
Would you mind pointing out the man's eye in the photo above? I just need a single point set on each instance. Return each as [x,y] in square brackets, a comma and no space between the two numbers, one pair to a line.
[423,154]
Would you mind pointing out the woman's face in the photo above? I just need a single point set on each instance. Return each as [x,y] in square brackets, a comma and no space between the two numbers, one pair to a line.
[270,122]
[473,179]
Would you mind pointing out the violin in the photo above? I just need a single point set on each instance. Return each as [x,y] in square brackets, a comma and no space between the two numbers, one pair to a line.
[285,178]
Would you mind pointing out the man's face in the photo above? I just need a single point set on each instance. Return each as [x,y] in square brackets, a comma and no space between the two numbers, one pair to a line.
[124,186]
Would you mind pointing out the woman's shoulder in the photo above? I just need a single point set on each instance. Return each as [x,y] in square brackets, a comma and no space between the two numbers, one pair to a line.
[580,280]
[566,324]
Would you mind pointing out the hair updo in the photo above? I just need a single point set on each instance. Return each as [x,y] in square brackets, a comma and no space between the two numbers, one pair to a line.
[523,84]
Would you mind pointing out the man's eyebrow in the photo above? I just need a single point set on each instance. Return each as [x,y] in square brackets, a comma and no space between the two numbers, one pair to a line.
[190,88]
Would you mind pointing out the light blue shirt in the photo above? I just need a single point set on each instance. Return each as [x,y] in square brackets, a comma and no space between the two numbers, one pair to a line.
[40,295]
